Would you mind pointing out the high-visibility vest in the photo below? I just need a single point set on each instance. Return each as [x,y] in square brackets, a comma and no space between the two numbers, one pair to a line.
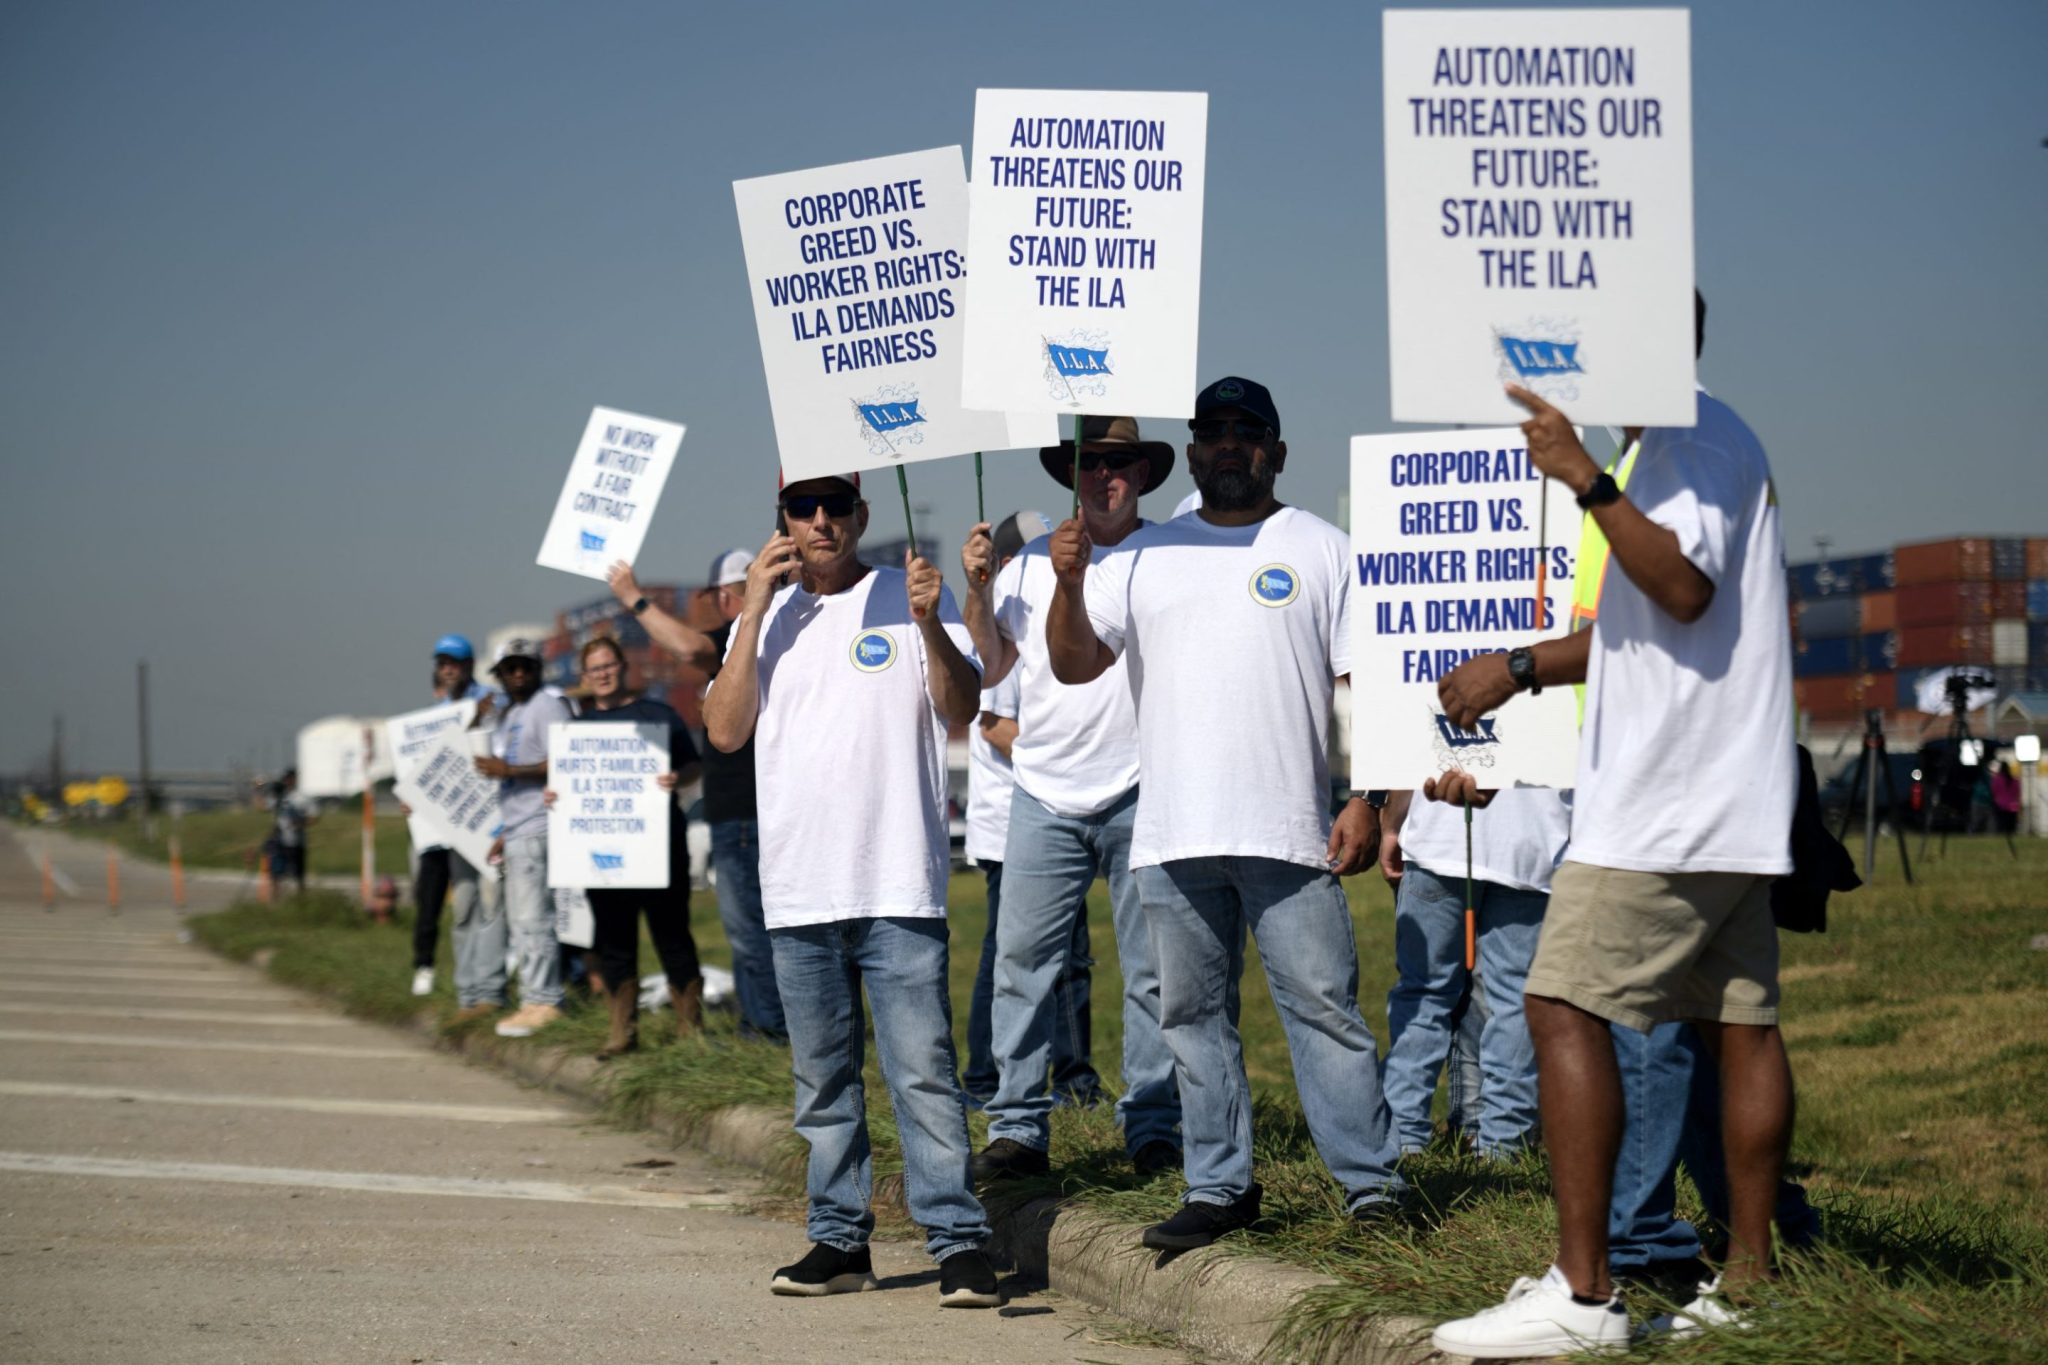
[1591,570]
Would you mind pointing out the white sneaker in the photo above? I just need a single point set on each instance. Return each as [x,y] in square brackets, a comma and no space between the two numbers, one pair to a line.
[1538,1318]
[423,981]
[1707,1312]
[527,1021]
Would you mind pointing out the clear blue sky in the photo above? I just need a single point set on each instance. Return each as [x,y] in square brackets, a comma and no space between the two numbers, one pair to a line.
[303,306]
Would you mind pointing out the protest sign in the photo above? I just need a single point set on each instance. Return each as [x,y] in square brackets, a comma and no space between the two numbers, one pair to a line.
[1447,531]
[856,272]
[446,788]
[614,482]
[1539,213]
[408,737]
[608,825]
[575,925]
[1086,238]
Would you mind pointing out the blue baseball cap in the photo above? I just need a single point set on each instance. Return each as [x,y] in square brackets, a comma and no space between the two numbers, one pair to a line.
[454,647]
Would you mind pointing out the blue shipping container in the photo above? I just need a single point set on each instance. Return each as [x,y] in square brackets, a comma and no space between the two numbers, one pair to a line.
[1838,577]
[1822,658]
[2037,601]
[1879,651]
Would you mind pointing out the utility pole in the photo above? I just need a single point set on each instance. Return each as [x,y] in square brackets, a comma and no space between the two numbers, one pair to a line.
[57,759]
[142,729]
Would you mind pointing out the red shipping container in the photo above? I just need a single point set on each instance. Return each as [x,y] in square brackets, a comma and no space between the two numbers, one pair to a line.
[1880,611]
[1845,696]
[1938,646]
[1944,604]
[2009,599]
[2037,557]
[1943,561]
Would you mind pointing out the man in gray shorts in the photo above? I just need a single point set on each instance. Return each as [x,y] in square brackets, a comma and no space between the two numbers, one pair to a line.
[1683,816]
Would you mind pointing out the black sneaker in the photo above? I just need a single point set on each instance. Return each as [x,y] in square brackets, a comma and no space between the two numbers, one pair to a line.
[1376,1213]
[1156,1157]
[1198,1224]
[826,1270]
[1005,1158]
[967,1280]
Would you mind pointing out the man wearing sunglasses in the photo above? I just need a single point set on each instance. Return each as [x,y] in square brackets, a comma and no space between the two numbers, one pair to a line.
[1075,760]
[1234,623]
[846,679]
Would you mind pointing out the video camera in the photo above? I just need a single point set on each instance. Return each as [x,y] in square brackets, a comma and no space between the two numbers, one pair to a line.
[1960,685]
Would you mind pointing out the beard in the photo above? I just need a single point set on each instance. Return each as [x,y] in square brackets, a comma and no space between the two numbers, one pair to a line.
[1236,490]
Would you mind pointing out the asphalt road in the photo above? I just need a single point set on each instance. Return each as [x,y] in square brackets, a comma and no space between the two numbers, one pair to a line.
[197,1164]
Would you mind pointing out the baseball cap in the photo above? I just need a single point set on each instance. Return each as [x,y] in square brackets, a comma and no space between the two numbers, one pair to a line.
[1108,431]
[850,480]
[1017,530]
[454,647]
[730,568]
[1234,392]
[518,647]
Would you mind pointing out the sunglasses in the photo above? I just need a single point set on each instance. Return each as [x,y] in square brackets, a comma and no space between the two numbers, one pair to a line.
[1216,428]
[804,506]
[1115,460]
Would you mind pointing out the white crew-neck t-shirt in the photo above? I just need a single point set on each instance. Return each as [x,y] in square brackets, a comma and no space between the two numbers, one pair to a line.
[1518,839]
[850,756]
[1233,636]
[1686,756]
[1077,747]
[990,779]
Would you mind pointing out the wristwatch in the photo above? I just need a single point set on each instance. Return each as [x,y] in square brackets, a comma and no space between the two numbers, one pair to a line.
[1522,669]
[1376,799]
[640,605]
[1603,491]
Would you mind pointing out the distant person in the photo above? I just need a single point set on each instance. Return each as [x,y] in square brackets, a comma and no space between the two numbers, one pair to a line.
[439,868]
[730,814]
[847,678]
[519,760]
[2005,798]
[616,912]
[291,816]
[991,789]
[1234,624]
[1071,820]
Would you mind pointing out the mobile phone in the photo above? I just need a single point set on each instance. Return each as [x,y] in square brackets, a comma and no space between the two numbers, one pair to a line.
[788,576]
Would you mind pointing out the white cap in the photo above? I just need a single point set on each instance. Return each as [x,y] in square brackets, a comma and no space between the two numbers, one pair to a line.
[730,567]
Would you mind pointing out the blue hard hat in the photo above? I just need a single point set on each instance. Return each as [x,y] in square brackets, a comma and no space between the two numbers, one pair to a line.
[454,647]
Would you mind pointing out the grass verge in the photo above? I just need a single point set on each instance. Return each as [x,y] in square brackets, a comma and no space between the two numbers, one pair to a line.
[1916,1028]
[228,839]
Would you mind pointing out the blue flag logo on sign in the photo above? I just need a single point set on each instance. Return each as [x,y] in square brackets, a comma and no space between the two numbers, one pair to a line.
[1076,362]
[1456,738]
[1541,359]
[883,417]
[592,542]
[607,862]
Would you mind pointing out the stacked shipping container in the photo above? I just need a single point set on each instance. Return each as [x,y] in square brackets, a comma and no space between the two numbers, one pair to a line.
[1867,629]
[649,666]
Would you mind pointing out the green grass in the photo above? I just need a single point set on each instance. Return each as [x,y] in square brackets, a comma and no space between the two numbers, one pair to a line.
[1917,1037]
[229,837]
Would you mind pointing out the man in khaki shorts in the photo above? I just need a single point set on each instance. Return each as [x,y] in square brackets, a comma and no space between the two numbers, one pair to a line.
[1683,815]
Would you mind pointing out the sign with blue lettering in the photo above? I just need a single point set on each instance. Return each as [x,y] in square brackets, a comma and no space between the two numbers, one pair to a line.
[1087,244]
[1458,550]
[409,737]
[1539,213]
[615,480]
[858,273]
[434,772]
[609,822]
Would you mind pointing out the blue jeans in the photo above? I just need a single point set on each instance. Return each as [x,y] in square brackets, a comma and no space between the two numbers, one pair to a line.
[1463,1085]
[1200,909]
[820,969]
[1429,950]
[1073,1072]
[1050,862]
[1643,1226]
[736,860]
[530,911]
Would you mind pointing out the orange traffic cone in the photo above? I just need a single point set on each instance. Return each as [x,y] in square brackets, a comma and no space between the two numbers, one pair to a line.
[113,882]
[177,874]
[49,884]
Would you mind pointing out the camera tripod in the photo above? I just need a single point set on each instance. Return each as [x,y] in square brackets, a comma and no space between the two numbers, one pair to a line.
[1871,764]
[1951,759]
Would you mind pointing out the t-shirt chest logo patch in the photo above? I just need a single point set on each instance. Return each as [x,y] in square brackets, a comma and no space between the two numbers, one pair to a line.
[873,650]
[1275,585]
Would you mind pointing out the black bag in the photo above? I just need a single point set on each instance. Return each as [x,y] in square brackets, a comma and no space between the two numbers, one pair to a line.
[1820,865]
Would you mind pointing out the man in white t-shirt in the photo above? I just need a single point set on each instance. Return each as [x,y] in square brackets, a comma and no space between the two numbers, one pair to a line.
[1682,817]
[1516,844]
[991,789]
[846,680]
[1234,624]
[1071,819]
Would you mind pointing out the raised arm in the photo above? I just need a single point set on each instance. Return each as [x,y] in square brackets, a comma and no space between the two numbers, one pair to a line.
[734,702]
[1078,655]
[977,608]
[951,680]
[687,643]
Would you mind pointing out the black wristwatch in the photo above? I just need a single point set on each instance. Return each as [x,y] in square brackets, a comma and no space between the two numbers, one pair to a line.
[1376,799]
[1522,669]
[640,605]
[1603,491]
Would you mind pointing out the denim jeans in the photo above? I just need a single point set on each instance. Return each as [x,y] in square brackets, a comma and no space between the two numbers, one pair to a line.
[530,910]
[820,969]
[1429,951]
[1463,1084]
[478,931]
[1049,864]
[1073,1071]
[1643,1226]
[736,859]
[1199,909]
